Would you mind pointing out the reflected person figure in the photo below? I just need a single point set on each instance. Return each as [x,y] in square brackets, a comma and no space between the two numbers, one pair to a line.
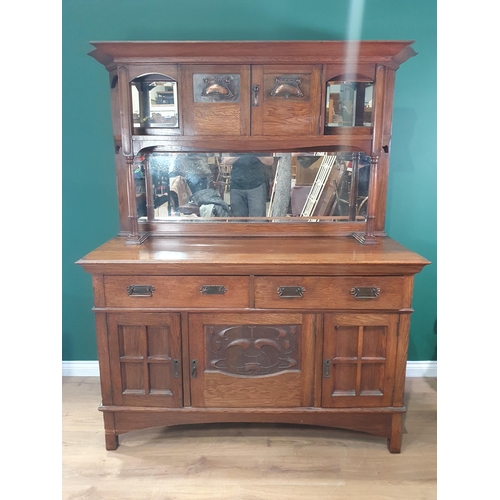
[248,187]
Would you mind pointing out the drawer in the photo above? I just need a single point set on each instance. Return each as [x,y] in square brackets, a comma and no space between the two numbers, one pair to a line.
[362,292]
[176,291]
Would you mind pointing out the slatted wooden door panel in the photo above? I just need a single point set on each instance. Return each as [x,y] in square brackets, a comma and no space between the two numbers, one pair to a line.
[252,360]
[359,359]
[145,353]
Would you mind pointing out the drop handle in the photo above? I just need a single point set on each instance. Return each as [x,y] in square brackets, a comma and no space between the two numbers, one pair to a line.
[255,90]
[365,292]
[213,289]
[140,290]
[291,292]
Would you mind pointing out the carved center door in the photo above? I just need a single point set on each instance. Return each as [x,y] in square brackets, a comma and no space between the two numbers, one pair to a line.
[251,360]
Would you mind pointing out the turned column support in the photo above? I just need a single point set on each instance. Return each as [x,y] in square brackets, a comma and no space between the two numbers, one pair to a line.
[353,194]
[125,99]
[133,236]
[368,238]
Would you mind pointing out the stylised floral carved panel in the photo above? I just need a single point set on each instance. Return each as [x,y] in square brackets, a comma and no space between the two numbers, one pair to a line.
[253,350]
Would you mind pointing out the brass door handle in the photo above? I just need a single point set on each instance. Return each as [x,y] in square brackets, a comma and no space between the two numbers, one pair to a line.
[255,90]
[176,367]
[326,368]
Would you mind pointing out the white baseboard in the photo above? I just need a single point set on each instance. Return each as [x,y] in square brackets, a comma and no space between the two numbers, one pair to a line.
[80,369]
[421,369]
[91,369]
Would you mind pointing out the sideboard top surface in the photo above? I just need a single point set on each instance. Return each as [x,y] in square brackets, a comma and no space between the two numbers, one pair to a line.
[253,255]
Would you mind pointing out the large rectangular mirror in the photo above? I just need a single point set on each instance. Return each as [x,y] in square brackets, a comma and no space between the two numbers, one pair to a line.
[261,186]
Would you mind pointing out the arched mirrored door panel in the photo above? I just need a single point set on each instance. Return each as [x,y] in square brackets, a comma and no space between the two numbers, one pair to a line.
[349,103]
[154,103]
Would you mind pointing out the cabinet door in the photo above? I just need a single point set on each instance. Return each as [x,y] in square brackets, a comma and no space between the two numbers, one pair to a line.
[251,360]
[286,100]
[359,359]
[145,354]
[216,100]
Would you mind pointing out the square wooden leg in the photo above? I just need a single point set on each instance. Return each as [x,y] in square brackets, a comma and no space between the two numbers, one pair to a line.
[394,442]
[110,435]
[111,441]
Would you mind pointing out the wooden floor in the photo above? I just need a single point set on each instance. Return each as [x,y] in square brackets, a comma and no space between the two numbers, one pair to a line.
[245,461]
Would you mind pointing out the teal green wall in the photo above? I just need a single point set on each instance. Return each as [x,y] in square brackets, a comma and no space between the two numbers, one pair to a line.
[89,198]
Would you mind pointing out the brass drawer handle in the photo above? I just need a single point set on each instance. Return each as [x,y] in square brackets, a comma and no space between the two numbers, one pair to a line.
[291,292]
[140,290]
[365,292]
[213,289]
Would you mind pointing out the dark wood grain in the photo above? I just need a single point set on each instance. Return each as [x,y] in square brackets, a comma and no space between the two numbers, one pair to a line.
[172,351]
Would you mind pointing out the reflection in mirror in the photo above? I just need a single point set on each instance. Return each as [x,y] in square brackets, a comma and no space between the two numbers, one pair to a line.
[154,102]
[273,187]
[349,104]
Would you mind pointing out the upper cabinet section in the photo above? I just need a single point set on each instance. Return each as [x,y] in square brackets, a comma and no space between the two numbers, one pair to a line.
[315,116]
[278,89]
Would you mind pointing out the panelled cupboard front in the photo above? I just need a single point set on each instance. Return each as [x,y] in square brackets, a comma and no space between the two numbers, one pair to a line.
[357,355]
[206,316]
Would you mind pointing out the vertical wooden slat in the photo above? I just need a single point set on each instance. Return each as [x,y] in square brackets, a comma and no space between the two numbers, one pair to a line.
[401,356]
[318,364]
[125,100]
[383,165]
[103,356]
[308,350]
[98,287]
[114,358]
[185,351]
[379,109]
[145,361]
[358,361]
